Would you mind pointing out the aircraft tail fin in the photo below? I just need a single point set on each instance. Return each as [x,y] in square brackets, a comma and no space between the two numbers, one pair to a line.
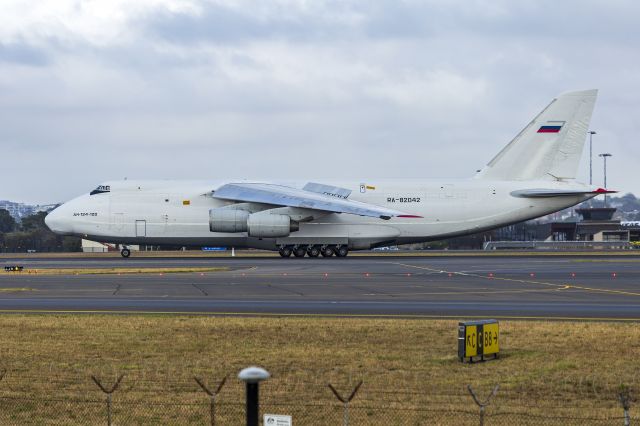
[550,146]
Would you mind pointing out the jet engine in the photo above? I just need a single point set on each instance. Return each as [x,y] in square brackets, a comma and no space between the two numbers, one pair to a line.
[264,225]
[258,225]
[228,220]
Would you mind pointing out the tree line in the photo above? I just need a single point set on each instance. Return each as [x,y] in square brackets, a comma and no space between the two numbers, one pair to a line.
[32,234]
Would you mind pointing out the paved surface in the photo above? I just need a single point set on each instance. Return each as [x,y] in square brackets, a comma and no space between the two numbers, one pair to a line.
[561,287]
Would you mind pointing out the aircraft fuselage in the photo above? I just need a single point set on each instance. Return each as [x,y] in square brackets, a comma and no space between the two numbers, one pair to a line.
[177,213]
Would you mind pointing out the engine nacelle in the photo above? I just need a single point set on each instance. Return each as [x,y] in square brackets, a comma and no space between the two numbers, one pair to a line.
[263,225]
[228,220]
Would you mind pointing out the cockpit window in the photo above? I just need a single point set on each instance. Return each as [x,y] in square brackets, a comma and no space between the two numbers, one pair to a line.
[101,190]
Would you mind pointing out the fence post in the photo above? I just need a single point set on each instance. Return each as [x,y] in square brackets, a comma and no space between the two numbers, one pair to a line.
[482,404]
[624,396]
[212,395]
[108,392]
[345,401]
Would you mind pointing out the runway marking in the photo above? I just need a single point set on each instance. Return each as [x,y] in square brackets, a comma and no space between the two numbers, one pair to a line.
[286,290]
[200,289]
[318,315]
[578,287]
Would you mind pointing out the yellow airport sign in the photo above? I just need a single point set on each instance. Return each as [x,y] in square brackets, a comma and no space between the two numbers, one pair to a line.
[478,338]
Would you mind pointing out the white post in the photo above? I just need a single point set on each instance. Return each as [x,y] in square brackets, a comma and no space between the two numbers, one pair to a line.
[233,252]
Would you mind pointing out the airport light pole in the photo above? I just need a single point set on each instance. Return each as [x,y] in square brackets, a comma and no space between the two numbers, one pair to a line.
[252,376]
[591,133]
[604,156]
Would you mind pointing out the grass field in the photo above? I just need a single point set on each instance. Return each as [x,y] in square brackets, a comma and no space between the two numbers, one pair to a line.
[568,368]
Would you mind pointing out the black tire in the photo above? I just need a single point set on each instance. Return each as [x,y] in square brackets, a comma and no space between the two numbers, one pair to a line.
[299,251]
[342,251]
[285,251]
[313,251]
[328,251]
[125,252]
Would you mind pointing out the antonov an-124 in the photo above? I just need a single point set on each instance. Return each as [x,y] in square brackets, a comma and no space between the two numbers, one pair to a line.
[534,175]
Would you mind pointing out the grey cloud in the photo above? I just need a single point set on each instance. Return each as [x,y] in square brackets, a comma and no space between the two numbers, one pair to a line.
[219,24]
[343,89]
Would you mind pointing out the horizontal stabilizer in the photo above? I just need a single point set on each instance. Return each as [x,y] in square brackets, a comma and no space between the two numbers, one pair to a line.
[545,193]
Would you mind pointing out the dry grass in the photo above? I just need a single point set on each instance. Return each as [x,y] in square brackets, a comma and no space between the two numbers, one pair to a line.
[545,366]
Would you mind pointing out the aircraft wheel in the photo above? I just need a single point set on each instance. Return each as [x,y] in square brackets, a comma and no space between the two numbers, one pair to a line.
[299,251]
[342,251]
[285,251]
[313,251]
[125,252]
[328,251]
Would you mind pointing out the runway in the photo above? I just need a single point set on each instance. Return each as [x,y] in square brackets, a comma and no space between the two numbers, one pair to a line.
[576,287]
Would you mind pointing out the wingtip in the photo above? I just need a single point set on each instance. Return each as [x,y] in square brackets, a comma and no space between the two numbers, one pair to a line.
[605,191]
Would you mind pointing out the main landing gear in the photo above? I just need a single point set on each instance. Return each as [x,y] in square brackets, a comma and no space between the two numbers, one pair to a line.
[314,250]
[125,252]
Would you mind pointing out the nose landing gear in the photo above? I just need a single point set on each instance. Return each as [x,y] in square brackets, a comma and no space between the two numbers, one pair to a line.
[125,252]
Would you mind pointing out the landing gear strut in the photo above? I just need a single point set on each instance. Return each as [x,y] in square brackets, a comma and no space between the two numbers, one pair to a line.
[313,251]
[286,251]
[328,251]
[125,252]
[299,251]
[342,251]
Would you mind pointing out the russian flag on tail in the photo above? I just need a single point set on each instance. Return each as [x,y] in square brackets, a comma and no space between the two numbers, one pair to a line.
[551,127]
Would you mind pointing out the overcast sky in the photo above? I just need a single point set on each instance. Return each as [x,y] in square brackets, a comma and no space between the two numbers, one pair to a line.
[99,90]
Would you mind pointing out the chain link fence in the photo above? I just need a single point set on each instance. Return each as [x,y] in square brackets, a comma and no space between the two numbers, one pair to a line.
[114,401]
[42,411]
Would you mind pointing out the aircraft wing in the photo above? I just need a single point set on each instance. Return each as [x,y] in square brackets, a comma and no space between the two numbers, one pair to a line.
[287,196]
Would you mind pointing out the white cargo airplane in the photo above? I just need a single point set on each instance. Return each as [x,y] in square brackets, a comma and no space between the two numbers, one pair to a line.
[532,176]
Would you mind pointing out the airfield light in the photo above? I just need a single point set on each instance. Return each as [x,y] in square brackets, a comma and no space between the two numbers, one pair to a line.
[252,376]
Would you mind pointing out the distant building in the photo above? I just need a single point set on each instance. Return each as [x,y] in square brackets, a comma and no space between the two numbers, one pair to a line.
[21,210]
[597,229]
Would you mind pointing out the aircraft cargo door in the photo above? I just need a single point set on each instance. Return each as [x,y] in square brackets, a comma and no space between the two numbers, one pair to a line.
[141,228]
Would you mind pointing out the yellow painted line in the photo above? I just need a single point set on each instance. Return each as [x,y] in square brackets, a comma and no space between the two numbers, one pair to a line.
[578,287]
[468,292]
[312,315]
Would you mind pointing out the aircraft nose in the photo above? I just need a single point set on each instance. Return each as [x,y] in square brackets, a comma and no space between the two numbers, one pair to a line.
[54,220]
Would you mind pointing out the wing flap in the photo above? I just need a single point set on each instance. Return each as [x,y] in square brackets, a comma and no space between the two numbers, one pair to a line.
[281,195]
